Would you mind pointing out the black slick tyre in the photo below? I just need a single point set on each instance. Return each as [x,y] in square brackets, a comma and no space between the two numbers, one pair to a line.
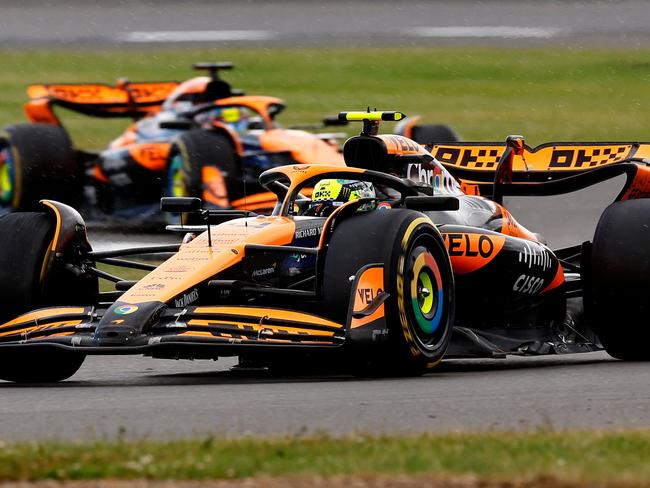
[39,365]
[25,240]
[40,163]
[616,298]
[203,164]
[433,134]
[417,275]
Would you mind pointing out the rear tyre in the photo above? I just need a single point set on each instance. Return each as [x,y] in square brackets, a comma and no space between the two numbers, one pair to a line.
[37,161]
[25,278]
[617,288]
[418,277]
[433,134]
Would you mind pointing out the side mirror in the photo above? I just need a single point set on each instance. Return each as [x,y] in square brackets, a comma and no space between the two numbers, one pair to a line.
[181,124]
[180,204]
[432,203]
[334,121]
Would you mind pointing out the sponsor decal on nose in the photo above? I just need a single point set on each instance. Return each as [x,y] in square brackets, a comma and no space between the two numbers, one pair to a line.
[126,309]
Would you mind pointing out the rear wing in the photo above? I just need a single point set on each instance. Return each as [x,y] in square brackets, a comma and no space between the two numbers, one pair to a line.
[550,168]
[125,99]
[479,160]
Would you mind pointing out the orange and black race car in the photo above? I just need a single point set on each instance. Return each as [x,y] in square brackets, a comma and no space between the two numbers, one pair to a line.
[197,138]
[390,264]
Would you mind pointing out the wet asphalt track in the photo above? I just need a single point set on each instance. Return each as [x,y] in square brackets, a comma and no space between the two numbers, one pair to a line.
[83,24]
[141,397]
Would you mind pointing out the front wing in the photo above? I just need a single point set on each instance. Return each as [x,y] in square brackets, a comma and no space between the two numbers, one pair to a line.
[227,330]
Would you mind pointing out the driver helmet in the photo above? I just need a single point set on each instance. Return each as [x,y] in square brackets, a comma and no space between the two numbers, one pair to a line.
[329,194]
[233,116]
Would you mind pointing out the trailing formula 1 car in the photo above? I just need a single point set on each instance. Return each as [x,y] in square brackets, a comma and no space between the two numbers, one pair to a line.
[388,266]
[196,138]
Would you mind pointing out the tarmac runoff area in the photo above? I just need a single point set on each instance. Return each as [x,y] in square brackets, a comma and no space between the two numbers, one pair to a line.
[88,25]
[136,397]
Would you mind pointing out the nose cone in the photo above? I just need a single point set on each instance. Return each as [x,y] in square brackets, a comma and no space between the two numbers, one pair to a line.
[125,324]
[115,335]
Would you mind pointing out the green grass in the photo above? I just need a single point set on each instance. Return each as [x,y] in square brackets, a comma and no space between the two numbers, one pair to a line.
[127,274]
[577,456]
[485,93]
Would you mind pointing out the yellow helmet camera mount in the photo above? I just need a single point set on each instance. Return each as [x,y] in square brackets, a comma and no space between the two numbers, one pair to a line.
[370,119]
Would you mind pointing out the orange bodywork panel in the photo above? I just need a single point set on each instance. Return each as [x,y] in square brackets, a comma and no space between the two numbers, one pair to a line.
[151,155]
[469,252]
[33,327]
[557,281]
[640,187]
[40,112]
[513,228]
[261,313]
[469,188]
[303,146]
[31,320]
[257,103]
[401,145]
[195,262]
[259,319]
[369,286]
[214,186]
[259,201]
[99,175]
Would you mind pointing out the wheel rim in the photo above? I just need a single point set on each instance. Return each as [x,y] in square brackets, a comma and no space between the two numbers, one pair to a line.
[175,181]
[6,176]
[427,298]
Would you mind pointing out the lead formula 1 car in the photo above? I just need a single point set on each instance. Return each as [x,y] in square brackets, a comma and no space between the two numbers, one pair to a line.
[390,265]
[198,138]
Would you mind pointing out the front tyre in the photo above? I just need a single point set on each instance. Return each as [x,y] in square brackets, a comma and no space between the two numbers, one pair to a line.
[28,283]
[42,365]
[419,309]
[203,164]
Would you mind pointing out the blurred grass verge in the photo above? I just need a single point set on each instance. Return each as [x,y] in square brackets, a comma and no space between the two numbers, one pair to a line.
[485,94]
[605,458]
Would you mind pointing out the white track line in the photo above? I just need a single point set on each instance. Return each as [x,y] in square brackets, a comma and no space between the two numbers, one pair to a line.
[500,31]
[196,36]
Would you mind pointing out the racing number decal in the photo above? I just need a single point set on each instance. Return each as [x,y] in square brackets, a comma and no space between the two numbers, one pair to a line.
[469,252]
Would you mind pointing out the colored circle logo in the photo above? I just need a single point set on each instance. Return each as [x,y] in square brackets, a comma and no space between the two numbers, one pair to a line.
[126,309]
[427,294]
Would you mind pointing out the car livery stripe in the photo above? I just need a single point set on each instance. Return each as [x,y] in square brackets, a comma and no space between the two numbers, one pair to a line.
[268,313]
[557,281]
[44,314]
